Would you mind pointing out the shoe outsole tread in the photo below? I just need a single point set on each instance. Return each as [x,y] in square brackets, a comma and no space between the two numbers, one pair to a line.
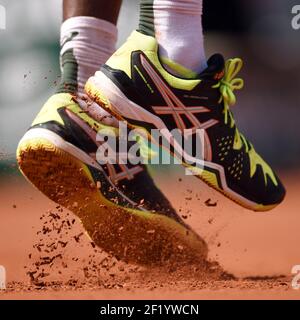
[130,235]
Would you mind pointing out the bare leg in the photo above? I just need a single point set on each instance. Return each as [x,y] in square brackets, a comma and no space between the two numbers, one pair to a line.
[103,9]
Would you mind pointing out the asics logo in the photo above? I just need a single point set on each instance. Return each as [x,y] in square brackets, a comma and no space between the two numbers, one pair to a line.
[174,106]
[120,172]
[117,172]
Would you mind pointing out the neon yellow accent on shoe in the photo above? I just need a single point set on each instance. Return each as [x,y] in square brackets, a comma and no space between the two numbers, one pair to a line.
[256,160]
[121,60]
[144,79]
[210,178]
[49,110]
[178,69]
[66,100]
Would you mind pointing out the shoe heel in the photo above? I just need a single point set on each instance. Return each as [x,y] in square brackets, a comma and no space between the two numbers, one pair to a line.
[59,175]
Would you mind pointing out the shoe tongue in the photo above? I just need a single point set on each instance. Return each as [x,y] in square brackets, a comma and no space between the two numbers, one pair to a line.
[215,68]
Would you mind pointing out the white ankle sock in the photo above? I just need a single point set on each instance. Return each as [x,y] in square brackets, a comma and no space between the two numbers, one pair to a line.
[178,30]
[86,44]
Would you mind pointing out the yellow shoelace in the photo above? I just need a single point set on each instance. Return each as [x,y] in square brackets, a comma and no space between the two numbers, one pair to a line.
[228,84]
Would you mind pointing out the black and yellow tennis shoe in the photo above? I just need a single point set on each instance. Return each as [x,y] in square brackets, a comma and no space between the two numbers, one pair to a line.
[119,205]
[134,86]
